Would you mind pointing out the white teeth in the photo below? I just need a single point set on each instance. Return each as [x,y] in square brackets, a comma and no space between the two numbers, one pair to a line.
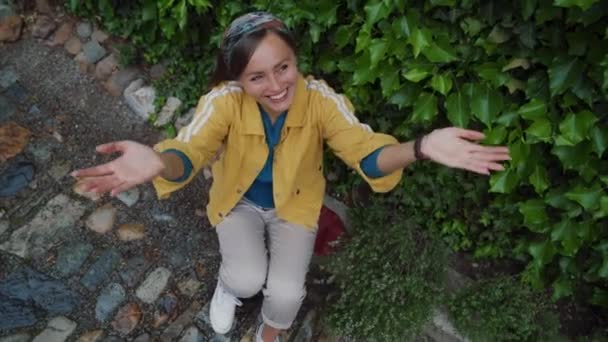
[280,96]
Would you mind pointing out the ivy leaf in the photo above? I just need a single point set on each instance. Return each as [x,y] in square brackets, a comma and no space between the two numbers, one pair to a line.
[503,182]
[420,39]
[405,97]
[389,83]
[588,198]
[600,296]
[377,50]
[486,103]
[342,36]
[584,4]
[495,135]
[542,252]
[603,271]
[574,127]
[541,129]
[457,106]
[439,53]
[533,110]
[534,212]
[442,84]
[562,287]
[406,25]
[449,3]
[566,233]
[603,212]
[599,140]
[527,8]
[539,179]
[571,156]
[517,63]
[315,31]
[563,73]
[498,35]
[425,108]
[148,11]
[493,73]
[363,40]
[376,12]
[417,73]
[508,118]
[557,199]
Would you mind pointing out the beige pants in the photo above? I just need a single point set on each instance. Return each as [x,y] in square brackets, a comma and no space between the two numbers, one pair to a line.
[247,265]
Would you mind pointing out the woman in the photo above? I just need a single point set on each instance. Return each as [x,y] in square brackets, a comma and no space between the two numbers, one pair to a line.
[272,124]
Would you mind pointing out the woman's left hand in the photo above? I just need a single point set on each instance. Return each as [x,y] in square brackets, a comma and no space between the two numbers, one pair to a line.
[457,147]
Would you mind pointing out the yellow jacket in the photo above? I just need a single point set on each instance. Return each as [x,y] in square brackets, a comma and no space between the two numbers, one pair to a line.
[228,117]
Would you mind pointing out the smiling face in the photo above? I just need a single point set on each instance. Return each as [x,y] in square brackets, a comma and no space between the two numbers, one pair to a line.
[271,74]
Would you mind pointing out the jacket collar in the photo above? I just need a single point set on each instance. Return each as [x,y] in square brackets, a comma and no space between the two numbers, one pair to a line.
[296,114]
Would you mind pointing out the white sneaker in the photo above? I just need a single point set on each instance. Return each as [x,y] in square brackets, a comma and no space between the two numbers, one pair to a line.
[258,334]
[221,310]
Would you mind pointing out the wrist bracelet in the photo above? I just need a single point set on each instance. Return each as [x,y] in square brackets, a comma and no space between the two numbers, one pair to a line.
[417,152]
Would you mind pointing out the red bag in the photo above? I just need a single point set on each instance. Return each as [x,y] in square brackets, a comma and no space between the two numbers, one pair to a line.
[330,229]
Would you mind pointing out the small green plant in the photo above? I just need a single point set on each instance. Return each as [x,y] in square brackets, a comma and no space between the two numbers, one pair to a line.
[391,275]
[503,309]
[127,54]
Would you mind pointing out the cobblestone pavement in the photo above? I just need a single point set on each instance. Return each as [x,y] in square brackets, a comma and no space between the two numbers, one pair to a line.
[125,269]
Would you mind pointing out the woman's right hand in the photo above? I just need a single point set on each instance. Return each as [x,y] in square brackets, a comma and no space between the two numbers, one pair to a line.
[137,164]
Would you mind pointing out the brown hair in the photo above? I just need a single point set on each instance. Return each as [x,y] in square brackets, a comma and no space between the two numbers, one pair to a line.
[241,54]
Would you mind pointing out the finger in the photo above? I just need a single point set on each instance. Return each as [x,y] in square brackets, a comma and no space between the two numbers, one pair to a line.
[115,146]
[104,184]
[120,188]
[469,134]
[488,149]
[97,171]
[487,166]
[490,156]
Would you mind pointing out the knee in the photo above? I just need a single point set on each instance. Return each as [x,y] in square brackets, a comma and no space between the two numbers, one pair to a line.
[244,282]
[285,291]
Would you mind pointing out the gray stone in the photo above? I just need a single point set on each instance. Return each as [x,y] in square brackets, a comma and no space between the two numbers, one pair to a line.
[153,285]
[307,329]
[73,45]
[106,67]
[6,10]
[109,299]
[175,329]
[142,338]
[113,338]
[7,109]
[15,314]
[185,119]
[50,226]
[34,111]
[3,226]
[22,337]
[140,99]
[43,27]
[84,30]
[101,269]
[117,83]
[129,197]
[8,77]
[71,257]
[60,170]
[441,329]
[99,36]
[158,71]
[133,270]
[192,335]
[43,6]
[43,149]
[168,111]
[93,51]
[189,287]
[102,219]
[221,338]
[38,290]
[57,330]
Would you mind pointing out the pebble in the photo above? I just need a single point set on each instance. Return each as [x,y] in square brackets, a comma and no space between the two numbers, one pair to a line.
[63,33]
[93,51]
[73,45]
[15,314]
[13,139]
[165,310]
[78,188]
[142,338]
[42,149]
[133,270]
[92,336]
[43,6]
[157,71]
[106,67]
[131,231]
[8,77]
[101,269]
[153,285]
[189,287]
[168,111]
[6,9]
[10,28]
[84,30]
[192,334]
[127,318]
[117,83]
[60,170]
[99,36]
[7,109]
[3,226]
[109,299]
[57,330]
[102,219]
[185,119]
[141,101]
[175,329]
[46,229]
[43,27]
[22,337]
[71,257]
[129,197]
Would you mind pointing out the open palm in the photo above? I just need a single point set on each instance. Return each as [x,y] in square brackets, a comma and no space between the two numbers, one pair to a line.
[137,164]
